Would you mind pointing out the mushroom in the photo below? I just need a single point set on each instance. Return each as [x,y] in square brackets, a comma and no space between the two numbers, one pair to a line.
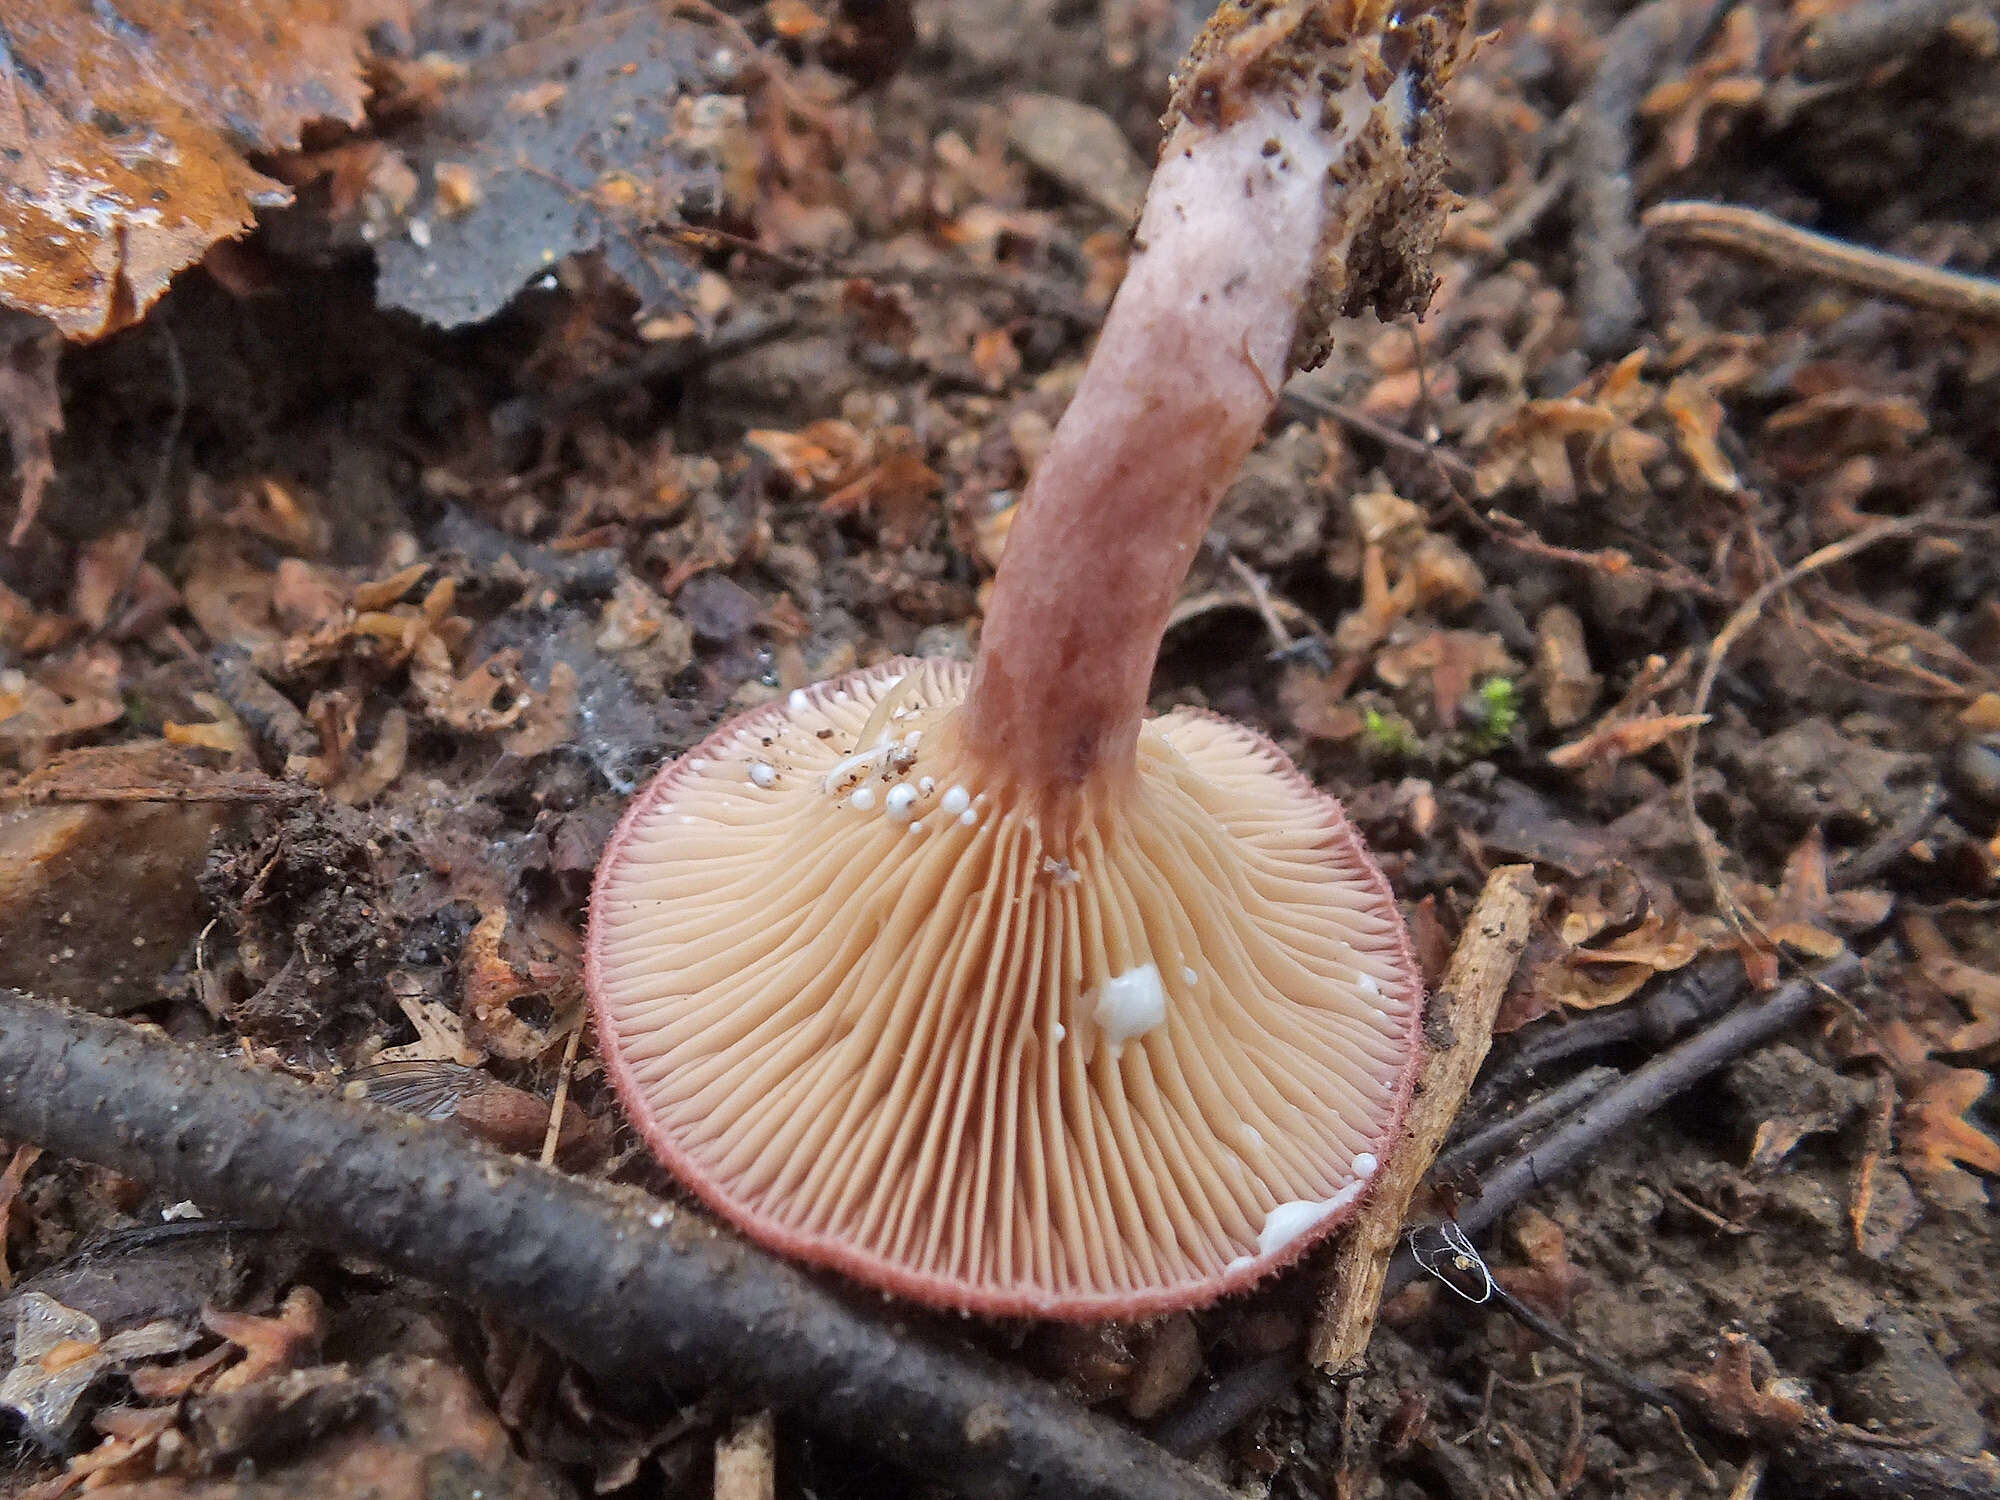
[980,985]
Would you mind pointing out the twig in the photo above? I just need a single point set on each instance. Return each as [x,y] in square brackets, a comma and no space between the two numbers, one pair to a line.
[1863,1471]
[1658,36]
[1878,31]
[1865,863]
[272,717]
[1228,1404]
[1550,1332]
[1260,595]
[1515,1130]
[638,1291]
[746,1461]
[1482,966]
[1248,1389]
[1356,420]
[1699,992]
[1816,1461]
[1647,1088]
[1764,237]
[561,1104]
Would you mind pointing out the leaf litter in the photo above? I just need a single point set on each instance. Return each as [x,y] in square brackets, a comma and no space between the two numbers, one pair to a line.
[1514,556]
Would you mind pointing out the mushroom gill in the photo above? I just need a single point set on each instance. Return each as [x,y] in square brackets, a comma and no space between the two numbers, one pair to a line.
[881,1014]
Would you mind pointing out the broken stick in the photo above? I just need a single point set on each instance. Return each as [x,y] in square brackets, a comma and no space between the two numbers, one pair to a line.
[1481,968]
[640,1292]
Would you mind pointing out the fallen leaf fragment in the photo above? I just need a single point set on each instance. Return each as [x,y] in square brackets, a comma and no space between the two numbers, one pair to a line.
[1562,667]
[122,142]
[1613,740]
[269,1345]
[1974,988]
[1935,1132]
[1731,1398]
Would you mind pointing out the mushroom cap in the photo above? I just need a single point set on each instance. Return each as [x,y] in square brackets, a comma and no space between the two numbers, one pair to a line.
[885,1022]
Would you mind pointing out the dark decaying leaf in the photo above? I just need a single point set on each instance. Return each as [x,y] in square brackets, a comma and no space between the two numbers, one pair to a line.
[576,136]
[123,131]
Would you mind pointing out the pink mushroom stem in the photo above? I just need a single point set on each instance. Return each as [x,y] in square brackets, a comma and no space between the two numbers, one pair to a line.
[1293,161]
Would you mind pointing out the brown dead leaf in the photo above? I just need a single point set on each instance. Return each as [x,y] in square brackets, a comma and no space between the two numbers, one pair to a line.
[440,1030]
[1935,1135]
[123,160]
[492,696]
[491,983]
[1453,658]
[1729,1395]
[270,1345]
[1600,416]
[549,719]
[1661,942]
[1697,418]
[1549,1279]
[63,697]
[1977,990]
[171,1382]
[141,771]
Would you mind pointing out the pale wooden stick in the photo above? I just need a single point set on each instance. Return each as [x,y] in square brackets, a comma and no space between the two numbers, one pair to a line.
[746,1461]
[1481,968]
[561,1105]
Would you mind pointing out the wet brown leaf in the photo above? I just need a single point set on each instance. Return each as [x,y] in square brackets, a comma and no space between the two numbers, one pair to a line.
[1976,989]
[1730,1397]
[269,1345]
[1936,1136]
[122,144]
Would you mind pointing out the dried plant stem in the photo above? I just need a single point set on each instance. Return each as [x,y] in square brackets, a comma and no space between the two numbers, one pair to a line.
[640,1292]
[556,1109]
[1481,969]
[1490,1140]
[1764,237]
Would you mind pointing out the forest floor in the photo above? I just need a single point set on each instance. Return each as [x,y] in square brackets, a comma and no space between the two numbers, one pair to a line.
[367,588]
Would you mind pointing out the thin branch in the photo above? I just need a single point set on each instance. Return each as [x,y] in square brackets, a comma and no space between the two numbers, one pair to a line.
[1698,993]
[1764,237]
[1645,1090]
[1250,1388]
[1490,1140]
[638,1291]
[1458,1030]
